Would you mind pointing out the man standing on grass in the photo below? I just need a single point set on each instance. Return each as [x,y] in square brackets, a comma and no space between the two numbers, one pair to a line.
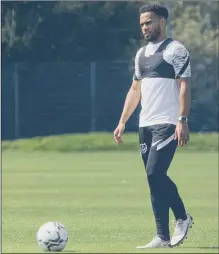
[161,82]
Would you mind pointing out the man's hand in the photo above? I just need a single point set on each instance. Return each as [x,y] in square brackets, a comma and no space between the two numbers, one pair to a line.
[119,132]
[182,133]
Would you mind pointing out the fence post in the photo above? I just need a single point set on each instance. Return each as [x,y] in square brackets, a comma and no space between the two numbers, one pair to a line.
[93,95]
[16,102]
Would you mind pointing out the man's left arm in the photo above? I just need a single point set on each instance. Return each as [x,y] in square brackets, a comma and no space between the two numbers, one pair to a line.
[181,63]
[182,130]
[184,96]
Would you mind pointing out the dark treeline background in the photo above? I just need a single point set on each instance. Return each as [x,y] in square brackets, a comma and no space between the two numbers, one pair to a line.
[39,34]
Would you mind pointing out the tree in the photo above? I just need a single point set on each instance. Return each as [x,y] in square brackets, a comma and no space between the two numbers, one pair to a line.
[20,23]
[107,30]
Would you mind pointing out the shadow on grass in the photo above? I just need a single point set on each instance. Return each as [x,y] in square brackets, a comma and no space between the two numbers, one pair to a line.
[70,251]
[207,248]
[200,247]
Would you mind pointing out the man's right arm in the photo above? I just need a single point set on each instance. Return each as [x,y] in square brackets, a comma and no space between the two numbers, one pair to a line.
[132,99]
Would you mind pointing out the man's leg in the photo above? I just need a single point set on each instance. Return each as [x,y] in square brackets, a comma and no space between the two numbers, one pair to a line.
[145,139]
[164,193]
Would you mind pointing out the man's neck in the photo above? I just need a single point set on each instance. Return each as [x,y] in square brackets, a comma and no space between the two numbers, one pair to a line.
[160,39]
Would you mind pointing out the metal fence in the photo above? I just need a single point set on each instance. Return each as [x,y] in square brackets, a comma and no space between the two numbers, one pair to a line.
[41,99]
[54,98]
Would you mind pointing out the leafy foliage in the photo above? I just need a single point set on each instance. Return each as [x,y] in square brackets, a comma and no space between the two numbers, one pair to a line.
[107,30]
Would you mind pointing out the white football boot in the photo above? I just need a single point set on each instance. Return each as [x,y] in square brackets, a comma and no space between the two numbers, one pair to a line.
[157,242]
[181,230]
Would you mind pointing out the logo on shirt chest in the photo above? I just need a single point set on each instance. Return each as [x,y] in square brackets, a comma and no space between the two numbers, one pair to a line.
[152,61]
[147,65]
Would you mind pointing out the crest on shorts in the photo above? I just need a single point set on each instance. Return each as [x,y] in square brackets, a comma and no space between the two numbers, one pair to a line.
[143,148]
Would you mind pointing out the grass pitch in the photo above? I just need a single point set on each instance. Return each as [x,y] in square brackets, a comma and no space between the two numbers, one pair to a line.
[103,200]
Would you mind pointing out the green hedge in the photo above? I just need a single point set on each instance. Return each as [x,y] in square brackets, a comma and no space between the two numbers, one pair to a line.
[101,142]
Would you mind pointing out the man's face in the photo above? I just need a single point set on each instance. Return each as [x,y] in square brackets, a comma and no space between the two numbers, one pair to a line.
[151,26]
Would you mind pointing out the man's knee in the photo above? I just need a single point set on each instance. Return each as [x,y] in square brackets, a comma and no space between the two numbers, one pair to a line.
[157,180]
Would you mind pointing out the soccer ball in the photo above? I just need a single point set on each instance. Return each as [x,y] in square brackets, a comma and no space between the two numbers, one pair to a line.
[52,236]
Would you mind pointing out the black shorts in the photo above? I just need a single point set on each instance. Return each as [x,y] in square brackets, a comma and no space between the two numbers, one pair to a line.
[157,146]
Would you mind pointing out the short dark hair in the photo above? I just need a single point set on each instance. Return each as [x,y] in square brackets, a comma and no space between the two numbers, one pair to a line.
[159,9]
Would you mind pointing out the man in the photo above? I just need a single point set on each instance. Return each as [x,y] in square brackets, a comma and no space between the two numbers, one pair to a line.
[161,82]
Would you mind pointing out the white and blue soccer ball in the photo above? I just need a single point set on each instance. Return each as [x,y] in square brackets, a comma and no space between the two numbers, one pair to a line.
[52,236]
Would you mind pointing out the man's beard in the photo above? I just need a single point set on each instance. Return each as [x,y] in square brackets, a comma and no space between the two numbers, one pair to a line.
[153,36]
